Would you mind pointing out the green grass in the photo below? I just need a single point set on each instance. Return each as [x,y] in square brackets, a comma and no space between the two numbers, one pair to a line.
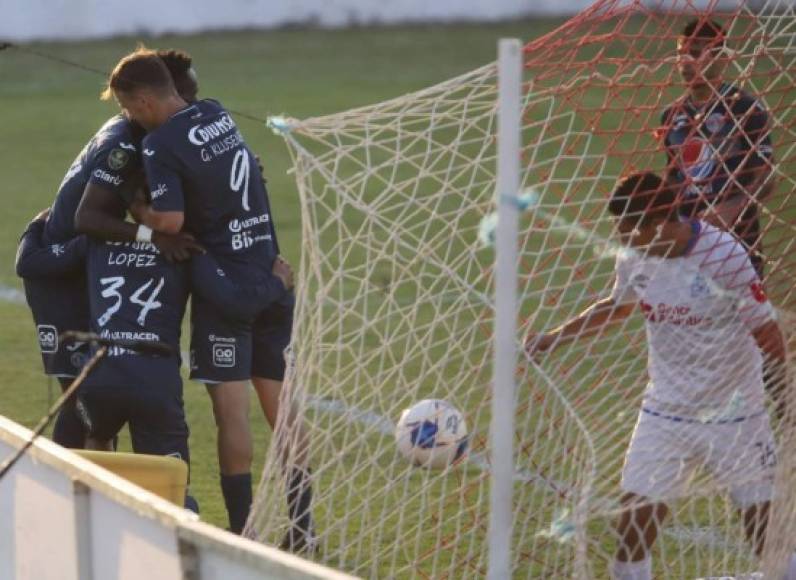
[311,73]
[379,236]
[53,110]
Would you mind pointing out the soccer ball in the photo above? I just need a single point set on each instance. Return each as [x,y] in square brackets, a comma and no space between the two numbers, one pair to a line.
[432,433]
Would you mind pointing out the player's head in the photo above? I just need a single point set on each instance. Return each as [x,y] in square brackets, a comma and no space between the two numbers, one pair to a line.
[143,87]
[701,54]
[180,66]
[640,203]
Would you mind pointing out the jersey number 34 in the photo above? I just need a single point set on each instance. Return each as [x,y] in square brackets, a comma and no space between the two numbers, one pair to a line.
[113,284]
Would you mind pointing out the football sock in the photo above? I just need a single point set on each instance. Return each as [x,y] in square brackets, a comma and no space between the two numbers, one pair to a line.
[69,430]
[299,498]
[641,570]
[237,491]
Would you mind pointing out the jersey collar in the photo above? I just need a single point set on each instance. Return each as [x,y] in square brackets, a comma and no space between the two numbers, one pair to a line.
[189,107]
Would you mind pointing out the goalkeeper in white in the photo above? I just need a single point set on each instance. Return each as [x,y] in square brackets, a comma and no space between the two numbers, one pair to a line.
[707,321]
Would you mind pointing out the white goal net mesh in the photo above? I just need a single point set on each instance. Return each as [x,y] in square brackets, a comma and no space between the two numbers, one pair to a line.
[395,305]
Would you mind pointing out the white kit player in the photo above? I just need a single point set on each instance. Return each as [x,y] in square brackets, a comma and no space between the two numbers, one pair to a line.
[709,325]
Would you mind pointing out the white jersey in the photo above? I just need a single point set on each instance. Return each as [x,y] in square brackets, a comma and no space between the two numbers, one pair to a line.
[700,311]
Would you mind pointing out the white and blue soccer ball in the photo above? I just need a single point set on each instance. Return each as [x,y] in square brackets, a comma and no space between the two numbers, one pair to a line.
[432,434]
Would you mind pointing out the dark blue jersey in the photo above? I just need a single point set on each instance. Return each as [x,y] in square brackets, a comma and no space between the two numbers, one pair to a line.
[110,159]
[716,146]
[198,163]
[136,294]
[234,300]
[35,259]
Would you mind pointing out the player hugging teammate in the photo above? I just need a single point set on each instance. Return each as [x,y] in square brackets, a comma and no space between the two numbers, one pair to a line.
[205,194]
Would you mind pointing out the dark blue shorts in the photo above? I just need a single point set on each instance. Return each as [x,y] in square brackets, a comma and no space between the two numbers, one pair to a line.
[224,350]
[59,304]
[156,417]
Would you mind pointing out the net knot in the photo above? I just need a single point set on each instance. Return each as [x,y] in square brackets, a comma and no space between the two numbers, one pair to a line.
[279,125]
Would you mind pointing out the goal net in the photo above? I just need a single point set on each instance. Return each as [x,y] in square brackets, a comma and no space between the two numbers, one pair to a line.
[395,305]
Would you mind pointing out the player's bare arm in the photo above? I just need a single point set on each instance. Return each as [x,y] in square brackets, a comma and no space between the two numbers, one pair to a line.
[168,222]
[91,217]
[98,216]
[771,343]
[595,318]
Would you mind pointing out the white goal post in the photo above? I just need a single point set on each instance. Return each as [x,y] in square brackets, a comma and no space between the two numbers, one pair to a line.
[501,440]
[414,234]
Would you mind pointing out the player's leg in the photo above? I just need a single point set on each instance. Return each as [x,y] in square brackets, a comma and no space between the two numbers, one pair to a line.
[55,311]
[158,427]
[658,465]
[292,440]
[743,458]
[271,337]
[235,448]
[755,522]
[637,528]
[103,412]
[221,359]
[68,430]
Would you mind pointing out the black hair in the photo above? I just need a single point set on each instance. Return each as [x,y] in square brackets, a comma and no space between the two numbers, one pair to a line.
[643,197]
[180,64]
[703,29]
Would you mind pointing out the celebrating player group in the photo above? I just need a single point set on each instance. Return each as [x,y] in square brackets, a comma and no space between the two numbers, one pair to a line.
[166,201]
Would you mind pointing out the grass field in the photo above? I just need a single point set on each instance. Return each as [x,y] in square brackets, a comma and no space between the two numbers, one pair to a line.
[394,198]
[52,110]
[311,73]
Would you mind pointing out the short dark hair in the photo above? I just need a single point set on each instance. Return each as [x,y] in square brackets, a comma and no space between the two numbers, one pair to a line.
[705,29]
[643,197]
[180,66]
[142,68]
[177,61]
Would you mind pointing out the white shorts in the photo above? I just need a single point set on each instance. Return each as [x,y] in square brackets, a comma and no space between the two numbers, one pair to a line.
[665,452]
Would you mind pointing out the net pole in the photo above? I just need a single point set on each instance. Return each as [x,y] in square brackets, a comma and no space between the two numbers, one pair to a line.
[501,430]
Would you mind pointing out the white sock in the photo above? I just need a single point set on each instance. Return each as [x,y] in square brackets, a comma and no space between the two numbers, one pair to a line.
[641,570]
[790,574]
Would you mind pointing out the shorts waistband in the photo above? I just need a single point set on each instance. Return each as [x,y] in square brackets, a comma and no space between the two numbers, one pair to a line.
[678,419]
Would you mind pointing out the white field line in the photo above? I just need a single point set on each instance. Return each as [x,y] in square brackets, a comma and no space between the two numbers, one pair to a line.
[697,536]
[386,427]
[11,295]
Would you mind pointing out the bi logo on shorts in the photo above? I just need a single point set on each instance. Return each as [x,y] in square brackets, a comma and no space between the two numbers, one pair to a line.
[224,355]
[48,338]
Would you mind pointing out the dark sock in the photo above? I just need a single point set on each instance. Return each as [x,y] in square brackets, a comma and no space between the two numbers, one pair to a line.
[69,430]
[237,490]
[299,498]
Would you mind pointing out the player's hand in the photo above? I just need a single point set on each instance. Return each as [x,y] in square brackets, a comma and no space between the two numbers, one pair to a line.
[176,247]
[284,272]
[42,215]
[260,165]
[538,343]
